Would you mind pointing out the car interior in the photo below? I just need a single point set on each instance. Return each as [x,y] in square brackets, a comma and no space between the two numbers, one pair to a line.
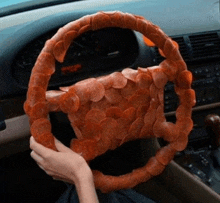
[194,173]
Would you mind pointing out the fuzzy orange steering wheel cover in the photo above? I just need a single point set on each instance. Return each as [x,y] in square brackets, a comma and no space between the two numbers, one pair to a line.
[107,111]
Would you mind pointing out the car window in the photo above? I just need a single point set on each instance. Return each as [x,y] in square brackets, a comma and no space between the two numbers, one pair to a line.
[11,2]
[15,6]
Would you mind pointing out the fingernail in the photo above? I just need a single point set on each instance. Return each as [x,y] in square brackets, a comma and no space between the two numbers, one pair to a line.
[32,138]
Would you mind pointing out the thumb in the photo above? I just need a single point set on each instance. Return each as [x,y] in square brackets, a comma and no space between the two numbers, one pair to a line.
[61,147]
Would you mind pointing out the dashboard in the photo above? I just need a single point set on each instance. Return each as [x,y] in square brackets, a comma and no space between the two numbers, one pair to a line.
[194,25]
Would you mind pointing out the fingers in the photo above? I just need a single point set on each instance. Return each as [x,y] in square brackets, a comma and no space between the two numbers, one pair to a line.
[39,160]
[48,160]
[43,164]
[61,147]
[38,148]
[36,157]
[41,150]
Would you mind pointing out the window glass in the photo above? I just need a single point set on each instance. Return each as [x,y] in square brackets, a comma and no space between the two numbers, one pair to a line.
[4,3]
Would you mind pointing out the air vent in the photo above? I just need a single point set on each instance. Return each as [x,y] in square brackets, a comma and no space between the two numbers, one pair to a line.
[196,46]
[182,46]
[205,45]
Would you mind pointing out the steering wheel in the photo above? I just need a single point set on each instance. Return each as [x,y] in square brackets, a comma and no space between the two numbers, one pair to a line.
[107,111]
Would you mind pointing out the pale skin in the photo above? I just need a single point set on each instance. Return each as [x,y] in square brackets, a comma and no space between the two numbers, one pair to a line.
[68,166]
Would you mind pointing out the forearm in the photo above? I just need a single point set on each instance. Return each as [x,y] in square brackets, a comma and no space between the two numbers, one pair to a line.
[86,191]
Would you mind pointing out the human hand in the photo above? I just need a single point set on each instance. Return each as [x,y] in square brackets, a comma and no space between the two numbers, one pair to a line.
[63,164]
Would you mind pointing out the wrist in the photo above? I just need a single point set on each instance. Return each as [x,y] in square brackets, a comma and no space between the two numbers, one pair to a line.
[86,189]
[84,175]
[85,181]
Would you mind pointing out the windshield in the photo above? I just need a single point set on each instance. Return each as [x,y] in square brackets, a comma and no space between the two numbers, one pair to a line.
[5,3]
[8,7]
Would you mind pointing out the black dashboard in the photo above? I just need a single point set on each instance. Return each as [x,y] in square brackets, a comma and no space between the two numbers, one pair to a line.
[97,53]
[194,25]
